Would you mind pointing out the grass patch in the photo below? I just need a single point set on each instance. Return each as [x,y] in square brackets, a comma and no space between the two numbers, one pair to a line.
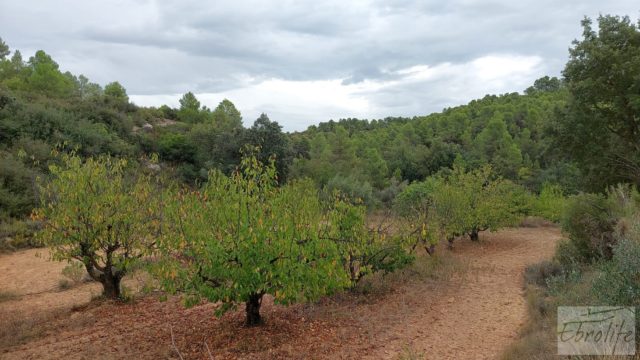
[74,271]
[537,274]
[439,267]
[409,353]
[7,296]
[65,284]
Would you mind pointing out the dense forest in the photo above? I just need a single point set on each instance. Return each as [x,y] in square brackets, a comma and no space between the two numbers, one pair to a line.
[217,210]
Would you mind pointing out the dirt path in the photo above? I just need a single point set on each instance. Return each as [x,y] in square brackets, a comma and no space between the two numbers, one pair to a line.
[473,315]
[479,315]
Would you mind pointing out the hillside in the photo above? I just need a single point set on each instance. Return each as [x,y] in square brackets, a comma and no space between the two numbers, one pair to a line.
[43,111]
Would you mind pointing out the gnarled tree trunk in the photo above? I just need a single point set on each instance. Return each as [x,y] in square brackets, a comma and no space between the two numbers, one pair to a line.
[111,287]
[253,309]
[474,235]
[431,249]
[107,275]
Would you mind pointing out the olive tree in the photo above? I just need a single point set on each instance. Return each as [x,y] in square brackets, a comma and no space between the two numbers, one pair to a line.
[98,213]
[241,237]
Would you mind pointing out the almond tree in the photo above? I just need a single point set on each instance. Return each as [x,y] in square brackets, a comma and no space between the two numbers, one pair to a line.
[463,203]
[362,250]
[242,237]
[93,212]
[478,202]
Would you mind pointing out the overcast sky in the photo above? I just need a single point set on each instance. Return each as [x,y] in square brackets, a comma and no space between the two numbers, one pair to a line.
[303,62]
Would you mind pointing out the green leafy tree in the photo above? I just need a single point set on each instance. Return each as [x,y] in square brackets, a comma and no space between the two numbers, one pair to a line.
[550,203]
[463,203]
[487,202]
[16,60]
[46,78]
[544,84]
[268,136]
[601,127]
[417,214]
[317,166]
[363,250]
[351,188]
[497,147]
[375,168]
[4,50]
[11,71]
[226,117]
[242,237]
[115,92]
[189,102]
[87,89]
[94,212]
[191,110]
[451,207]
[214,150]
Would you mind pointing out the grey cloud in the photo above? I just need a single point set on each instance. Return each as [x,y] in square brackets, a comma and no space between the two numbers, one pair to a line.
[167,47]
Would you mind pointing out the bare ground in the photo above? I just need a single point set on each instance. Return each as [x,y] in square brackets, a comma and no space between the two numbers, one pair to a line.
[469,305]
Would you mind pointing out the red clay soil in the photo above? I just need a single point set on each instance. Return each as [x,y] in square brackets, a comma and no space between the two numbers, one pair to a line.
[472,315]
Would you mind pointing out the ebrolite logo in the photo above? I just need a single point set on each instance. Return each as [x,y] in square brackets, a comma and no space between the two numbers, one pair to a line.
[596,330]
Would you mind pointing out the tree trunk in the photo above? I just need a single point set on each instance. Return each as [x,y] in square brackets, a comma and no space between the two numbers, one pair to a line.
[108,276]
[474,235]
[431,249]
[111,287]
[253,310]
[110,282]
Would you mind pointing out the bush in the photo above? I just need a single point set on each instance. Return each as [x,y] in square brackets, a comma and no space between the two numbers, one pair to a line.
[414,198]
[355,190]
[618,282]
[568,255]
[550,204]
[539,273]
[582,274]
[594,222]
[64,284]
[387,195]
[17,195]
[74,271]
[589,225]
[16,234]
[176,148]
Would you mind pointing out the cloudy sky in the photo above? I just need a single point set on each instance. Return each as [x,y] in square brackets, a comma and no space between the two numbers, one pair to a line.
[303,62]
